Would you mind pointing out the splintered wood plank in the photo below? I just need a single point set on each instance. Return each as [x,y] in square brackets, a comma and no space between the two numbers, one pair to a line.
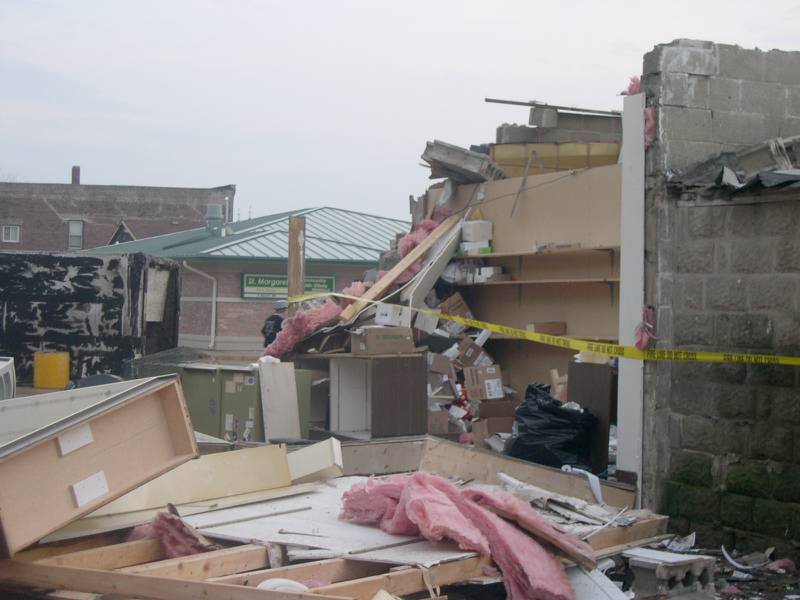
[332,570]
[383,284]
[407,581]
[115,556]
[208,564]
[16,573]
[616,536]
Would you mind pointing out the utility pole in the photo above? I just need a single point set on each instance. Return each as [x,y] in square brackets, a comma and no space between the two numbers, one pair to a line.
[297,259]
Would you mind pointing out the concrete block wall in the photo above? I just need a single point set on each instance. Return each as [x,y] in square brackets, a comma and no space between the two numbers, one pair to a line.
[722,455]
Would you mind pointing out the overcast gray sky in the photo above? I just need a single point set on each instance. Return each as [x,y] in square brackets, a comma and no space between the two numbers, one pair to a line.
[314,103]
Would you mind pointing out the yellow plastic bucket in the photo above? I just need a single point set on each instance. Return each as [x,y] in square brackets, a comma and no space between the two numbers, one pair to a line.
[51,370]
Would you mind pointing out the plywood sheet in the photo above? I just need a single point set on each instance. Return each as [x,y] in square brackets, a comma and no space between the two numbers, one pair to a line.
[580,207]
[279,401]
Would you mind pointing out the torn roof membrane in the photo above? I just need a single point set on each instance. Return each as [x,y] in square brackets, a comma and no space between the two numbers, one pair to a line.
[771,165]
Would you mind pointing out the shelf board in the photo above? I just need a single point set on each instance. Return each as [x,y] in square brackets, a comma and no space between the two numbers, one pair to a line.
[544,252]
[545,281]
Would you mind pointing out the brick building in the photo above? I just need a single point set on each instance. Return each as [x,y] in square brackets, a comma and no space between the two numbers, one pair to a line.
[721,450]
[232,273]
[59,217]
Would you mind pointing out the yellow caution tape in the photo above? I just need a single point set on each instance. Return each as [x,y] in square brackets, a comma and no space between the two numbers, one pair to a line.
[621,351]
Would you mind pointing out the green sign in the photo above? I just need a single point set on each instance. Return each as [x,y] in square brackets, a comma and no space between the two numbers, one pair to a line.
[277,286]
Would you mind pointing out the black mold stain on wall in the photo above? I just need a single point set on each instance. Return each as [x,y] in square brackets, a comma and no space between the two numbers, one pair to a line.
[89,306]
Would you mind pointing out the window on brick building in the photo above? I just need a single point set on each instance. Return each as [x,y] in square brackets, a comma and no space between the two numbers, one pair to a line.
[75,241]
[11,233]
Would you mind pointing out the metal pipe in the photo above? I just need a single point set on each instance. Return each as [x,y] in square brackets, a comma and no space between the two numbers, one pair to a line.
[533,103]
[213,281]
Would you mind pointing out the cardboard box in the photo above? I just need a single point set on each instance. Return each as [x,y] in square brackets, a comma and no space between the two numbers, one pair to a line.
[484,383]
[498,408]
[393,315]
[454,305]
[472,355]
[475,231]
[485,428]
[475,248]
[426,323]
[548,327]
[65,454]
[381,340]
[438,363]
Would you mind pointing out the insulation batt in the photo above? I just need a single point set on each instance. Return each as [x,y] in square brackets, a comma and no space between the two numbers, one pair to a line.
[176,537]
[524,514]
[439,510]
[307,321]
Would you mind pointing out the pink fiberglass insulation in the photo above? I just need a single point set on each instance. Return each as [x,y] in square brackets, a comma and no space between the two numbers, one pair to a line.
[432,510]
[634,87]
[376,501]
[307,321]
[649,126]
[532,521]
[440,511]
[176,537]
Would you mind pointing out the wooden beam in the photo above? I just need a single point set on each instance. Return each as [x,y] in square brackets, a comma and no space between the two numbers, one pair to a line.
[115,556]
[407,581]
[297,259]
[377,290]
[330,571]
[208,564]
[69,546]
[16,573]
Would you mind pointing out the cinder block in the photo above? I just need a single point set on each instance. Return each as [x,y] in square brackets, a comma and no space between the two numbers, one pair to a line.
[724,94]
[726,293]
[691,60]
[706,221]
[773,518]
[743,330]
[787,258]
[772,292]
[749,478]
[793,101]
[693,329]
[782,67]
[765,98]
[695,257]
[681,89]
[787,488]
[773,442]
[736,510]
[680,154]
[684,394]
[735,437]
[691,467]
[789,127]
[752,256]
[787,333]
[738,63]
[686,124]
[739,128]
[735,402]
[689,293]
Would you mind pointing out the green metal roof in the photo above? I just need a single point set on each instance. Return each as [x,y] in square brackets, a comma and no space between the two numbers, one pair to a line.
[332,235]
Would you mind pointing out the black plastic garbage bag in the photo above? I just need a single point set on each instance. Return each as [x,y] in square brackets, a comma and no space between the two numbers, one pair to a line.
[548,433]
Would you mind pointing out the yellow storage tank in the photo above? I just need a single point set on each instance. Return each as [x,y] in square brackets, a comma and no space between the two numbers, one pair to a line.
[51,370]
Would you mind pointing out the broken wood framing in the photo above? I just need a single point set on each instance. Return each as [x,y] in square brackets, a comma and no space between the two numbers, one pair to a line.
[383,284]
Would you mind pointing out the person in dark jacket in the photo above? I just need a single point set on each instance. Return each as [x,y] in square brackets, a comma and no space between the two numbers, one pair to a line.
[274,322]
